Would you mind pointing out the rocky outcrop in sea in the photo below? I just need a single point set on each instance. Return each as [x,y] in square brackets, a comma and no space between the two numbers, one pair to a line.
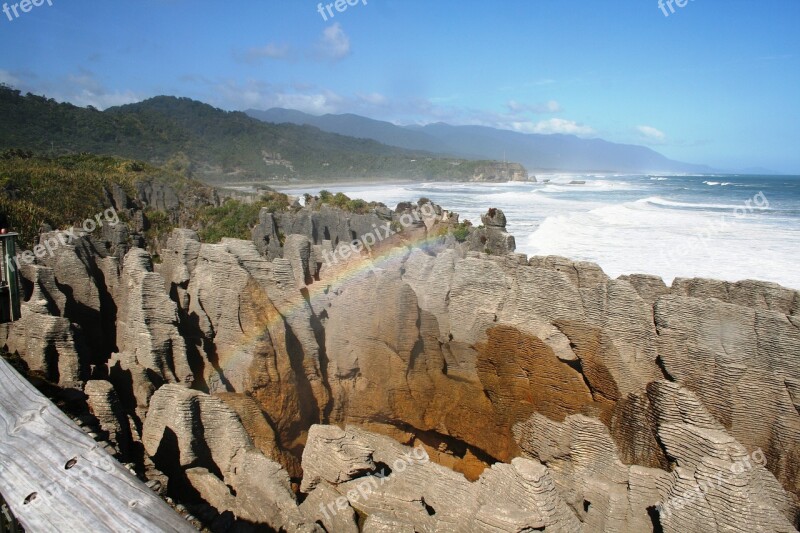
[423,383]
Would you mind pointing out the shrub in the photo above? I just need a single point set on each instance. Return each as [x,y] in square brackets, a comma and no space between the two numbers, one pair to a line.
[461,231]
[274,202]
[236,219]
[358,206]
[342,201]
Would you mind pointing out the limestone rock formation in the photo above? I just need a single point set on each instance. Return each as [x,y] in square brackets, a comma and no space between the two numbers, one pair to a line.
[738,361]
[492,237]
[48,342]
[195,438]
[716,483]
[106,407]
[178,261]
[257,333]
[399,487]
[459,371]
[48,345]
[260,430]
[147,323]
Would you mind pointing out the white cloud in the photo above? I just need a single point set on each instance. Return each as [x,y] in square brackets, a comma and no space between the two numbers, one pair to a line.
[103,100]
[335,44]
[85,90]
[376,99]
[269,51]
[259,95]
[80,88]
[315,104]
[652,134]
[544,107]
[554,125]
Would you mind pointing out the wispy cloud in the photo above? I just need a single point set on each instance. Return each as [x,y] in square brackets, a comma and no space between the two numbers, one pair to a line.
[81,88]
[516,116]
[334,44]
[232,94]
[88,91]
[651,135]
[376,99]
[555,125]
[257,54]
[539,108]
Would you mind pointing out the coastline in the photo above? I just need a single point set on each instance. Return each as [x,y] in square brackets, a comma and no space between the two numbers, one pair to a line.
[664,225]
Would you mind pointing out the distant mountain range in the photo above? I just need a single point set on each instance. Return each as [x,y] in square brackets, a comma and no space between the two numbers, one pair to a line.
[219,146]
[537,152]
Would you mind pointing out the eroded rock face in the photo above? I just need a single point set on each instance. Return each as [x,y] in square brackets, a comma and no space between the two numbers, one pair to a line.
[147,324]
[257,334]
[197,439]
[86,273]
[738,361]
[716,483]
[260,430]
[492,237]
[179,259]
[105,405]
[589,403]
[49,343]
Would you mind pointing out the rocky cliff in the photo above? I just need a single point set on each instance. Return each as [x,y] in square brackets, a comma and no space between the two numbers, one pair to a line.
[419,383]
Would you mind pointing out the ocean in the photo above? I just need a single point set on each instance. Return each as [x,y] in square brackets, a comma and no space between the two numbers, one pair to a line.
[729,227]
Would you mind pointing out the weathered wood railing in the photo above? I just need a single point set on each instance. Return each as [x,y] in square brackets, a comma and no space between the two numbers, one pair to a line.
[54,477]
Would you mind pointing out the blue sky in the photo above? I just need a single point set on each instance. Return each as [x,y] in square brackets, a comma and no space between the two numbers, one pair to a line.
[715,82]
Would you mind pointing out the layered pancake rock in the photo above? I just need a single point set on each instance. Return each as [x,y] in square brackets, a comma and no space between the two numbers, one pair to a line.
[544,394]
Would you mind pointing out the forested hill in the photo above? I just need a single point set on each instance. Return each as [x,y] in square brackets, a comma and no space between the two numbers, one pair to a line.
[210,144]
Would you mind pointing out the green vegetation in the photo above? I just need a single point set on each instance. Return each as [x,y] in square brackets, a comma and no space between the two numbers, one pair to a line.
[159,224]
[462,230]
[235,218]
[342,201]
[67,190]
[193,139]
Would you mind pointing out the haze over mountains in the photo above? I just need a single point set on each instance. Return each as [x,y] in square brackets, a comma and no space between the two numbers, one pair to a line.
[219,146]
[537,152]
[286,145]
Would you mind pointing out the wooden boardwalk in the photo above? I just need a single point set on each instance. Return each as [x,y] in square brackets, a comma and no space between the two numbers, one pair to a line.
[54,477]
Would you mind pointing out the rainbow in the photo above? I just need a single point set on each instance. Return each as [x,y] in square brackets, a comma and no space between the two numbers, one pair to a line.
[337,275]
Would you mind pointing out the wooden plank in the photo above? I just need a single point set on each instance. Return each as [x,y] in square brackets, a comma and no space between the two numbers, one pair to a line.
[54,477]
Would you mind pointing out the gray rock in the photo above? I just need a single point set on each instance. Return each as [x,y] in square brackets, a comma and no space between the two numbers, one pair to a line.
[157,195]
[494,218]
[48,345]
[190,433]
[105,405]
[147,323]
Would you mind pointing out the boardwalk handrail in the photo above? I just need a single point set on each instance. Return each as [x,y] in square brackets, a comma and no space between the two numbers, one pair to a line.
[54,477]
[9,279]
